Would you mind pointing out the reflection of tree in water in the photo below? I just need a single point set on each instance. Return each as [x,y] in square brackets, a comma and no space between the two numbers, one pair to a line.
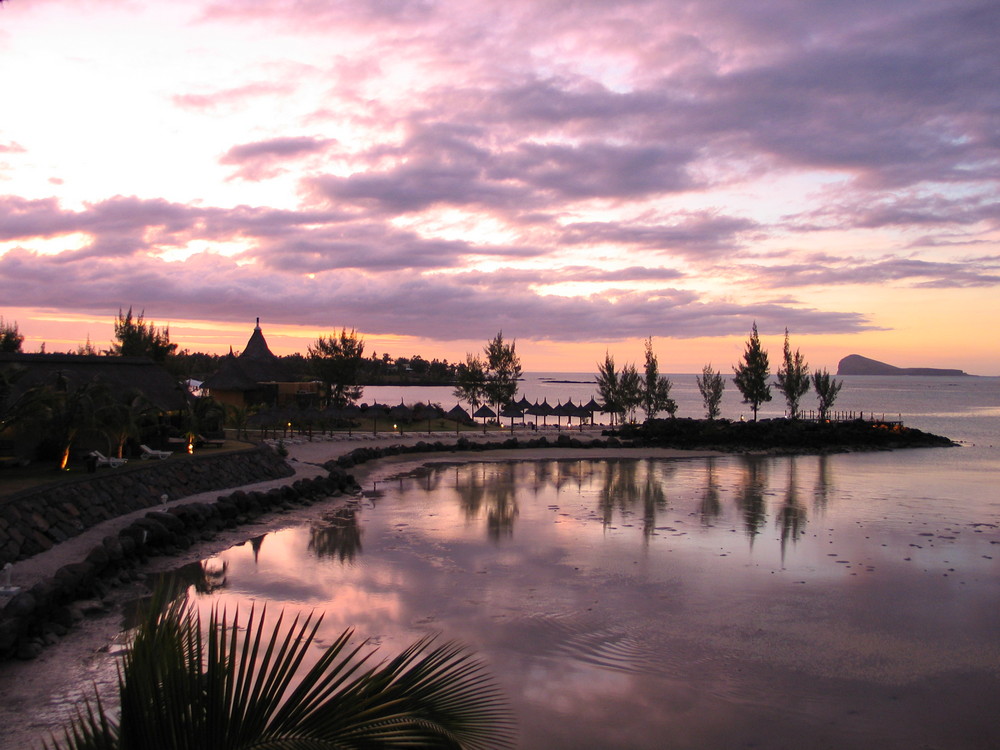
[339,537]
[710,507]
[490,487]
[629,482]
[824,483]
[204,576]
[791,518]
[750,499]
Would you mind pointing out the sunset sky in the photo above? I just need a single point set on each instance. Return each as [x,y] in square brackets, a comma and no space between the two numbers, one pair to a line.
[581,175]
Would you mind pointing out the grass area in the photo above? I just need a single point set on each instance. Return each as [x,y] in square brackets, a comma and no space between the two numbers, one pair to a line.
[14,478]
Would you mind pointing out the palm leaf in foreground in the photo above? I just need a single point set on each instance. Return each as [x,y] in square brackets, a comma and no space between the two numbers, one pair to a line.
[243,685]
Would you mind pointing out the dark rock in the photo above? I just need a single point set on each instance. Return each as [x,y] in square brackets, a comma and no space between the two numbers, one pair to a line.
[20,606]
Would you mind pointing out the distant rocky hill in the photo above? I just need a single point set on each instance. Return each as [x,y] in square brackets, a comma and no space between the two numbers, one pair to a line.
[855,364]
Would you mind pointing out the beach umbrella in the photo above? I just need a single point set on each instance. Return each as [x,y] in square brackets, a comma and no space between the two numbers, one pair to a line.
[459,415]
[592,407]
[582,413]
[545,410]
[512,412]
[485,412]
[374,411]
[401,412]
[559,410]
[570,410]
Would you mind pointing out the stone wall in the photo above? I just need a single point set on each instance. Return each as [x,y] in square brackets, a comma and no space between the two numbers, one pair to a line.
[33,521]
[38,617]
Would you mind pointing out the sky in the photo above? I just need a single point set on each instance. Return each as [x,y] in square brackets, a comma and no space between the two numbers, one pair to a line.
[580,175]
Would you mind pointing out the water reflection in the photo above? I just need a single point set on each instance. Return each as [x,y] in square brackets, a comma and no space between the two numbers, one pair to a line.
[607,632]
[750,501]
[338,537]
[491,487]
[633,483]
[824,482]
[711,506]
[791,517]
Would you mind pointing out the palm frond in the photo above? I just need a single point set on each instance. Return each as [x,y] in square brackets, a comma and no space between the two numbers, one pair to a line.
[242,685]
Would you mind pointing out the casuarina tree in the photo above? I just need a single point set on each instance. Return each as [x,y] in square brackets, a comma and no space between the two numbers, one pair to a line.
[827,389]
[793,378]
[470,381]
[11,337]
[751,374]
[337,362]
[711,384]
[503,370]
[134,337]
[656,387]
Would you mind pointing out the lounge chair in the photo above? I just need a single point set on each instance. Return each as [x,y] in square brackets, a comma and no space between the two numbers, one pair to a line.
[103,460]
[148,452]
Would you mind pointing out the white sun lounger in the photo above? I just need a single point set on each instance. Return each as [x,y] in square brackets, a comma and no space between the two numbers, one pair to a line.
[103,460]
[148,452]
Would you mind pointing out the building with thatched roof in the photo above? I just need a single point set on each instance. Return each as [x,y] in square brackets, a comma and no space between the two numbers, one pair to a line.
[257,376]
[67,372]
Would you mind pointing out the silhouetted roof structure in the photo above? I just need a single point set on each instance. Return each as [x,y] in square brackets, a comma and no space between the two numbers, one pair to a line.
[120,374]
[459,414]
[256,364]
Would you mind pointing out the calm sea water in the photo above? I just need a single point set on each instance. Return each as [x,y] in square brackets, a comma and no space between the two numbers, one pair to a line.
[789,602]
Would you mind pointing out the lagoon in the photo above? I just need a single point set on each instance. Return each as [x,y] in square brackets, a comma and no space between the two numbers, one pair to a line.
[737,601]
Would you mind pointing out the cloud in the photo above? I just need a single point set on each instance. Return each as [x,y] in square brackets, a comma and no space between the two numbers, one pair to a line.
[260,160]
[446,307]
[229,98]
[827,271]
[696,235]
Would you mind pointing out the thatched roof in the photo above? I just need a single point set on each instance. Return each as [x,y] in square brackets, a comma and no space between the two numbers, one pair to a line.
[256,364]
[121,374]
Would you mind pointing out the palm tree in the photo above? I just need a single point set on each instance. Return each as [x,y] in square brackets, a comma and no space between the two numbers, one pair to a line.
[241,685]
[121,418]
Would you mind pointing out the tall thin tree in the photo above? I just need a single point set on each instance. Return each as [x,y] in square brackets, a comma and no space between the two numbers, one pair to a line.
[827,389]
[751,374]
[793,378]
[711,384]
[503,371]
[656,387]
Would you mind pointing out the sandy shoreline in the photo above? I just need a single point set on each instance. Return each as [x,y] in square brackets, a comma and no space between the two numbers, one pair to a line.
[36,696]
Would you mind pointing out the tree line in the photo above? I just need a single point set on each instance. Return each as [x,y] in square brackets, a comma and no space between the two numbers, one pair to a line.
[624,391]
[338,361]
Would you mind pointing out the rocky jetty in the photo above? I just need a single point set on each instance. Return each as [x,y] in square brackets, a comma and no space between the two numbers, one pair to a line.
[781,435]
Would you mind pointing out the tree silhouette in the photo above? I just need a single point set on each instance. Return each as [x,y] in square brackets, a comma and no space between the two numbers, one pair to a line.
[337,362]
[656,387]
[751,375]
[827,389]
[711,384]
[136,338]
[503,370]
[11,337]
[793,378]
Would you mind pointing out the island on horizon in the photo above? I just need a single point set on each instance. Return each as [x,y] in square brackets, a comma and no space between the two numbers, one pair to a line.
[855,364]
